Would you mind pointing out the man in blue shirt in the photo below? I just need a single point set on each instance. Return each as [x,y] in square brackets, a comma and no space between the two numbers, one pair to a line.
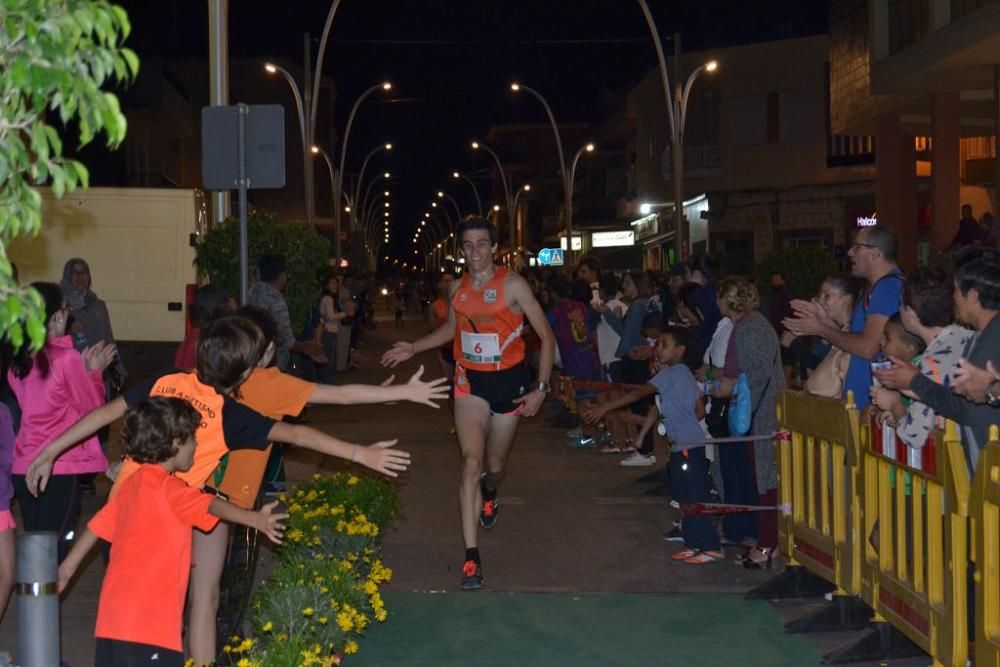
[873,257]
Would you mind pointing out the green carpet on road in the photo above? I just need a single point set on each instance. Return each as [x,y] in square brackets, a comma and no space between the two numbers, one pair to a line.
[529,629]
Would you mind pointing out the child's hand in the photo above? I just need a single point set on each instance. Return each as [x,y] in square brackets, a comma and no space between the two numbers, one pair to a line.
[427,392]
[380,458]
[884,398]
[65,575]
[593,413]
[271,524]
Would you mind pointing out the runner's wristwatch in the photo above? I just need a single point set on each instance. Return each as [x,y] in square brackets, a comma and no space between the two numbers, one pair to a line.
[992,398]
[544,387]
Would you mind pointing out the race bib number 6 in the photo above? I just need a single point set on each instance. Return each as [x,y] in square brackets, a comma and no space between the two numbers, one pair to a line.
[481,348]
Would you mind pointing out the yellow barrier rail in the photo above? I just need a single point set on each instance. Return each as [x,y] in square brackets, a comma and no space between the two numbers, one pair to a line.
[916,509]
[818,479]
[985,504]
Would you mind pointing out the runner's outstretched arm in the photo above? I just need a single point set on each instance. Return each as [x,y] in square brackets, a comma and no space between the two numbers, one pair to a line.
[402,350]
[38,473]
[416,390]
[379,456]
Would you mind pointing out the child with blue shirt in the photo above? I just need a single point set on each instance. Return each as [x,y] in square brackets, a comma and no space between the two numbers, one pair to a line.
[680,408]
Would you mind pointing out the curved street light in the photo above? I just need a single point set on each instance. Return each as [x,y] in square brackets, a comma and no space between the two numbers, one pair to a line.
[361,176]
[475,191]
[476,145]
[343,157]
[676,115]
[305,135]
[567,183]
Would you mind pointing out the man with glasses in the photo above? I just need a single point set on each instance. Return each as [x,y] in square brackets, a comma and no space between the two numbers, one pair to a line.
[873,257]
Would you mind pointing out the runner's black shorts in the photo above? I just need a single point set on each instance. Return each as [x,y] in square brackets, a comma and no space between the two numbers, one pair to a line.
[498,388]
[121,653]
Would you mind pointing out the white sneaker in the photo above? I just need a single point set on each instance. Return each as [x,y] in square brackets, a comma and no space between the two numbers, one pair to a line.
[638,460]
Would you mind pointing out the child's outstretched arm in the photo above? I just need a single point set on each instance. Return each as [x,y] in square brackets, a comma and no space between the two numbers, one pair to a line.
[415,390]
[37,475]
[264,520]
[379,456]
[595,412]
[81,547]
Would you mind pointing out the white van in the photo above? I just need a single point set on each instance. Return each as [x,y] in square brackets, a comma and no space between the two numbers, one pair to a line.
[140,244]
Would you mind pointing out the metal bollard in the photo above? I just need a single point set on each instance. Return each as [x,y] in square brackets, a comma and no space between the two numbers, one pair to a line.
[37,600]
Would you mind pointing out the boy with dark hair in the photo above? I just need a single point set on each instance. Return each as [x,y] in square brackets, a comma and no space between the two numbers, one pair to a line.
[148,523]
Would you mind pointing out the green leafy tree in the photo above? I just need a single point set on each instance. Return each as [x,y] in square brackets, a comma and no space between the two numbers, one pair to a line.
[306,253]
[55,55]
[804,270]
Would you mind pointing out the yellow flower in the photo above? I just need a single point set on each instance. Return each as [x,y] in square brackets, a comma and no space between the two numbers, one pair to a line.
[308,611]
[371,587]
[350,647]
[381,615]
[345,621]
[352,480]
[322,620]
[243,663]
[267,627]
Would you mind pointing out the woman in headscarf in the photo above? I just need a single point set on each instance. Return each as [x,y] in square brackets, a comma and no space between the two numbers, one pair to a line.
[89,319]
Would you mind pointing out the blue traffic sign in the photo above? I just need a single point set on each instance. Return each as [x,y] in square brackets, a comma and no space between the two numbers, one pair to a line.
[550,257]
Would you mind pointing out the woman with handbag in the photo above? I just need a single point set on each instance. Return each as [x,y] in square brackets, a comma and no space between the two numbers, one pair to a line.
[836,300]
[749,470]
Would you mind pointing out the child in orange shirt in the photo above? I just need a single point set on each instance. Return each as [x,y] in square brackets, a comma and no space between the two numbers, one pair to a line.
[148,523]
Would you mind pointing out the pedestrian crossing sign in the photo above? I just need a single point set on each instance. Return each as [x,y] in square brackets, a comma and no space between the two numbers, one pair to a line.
[550,257]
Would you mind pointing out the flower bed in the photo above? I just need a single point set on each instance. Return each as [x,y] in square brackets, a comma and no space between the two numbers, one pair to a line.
[324,591]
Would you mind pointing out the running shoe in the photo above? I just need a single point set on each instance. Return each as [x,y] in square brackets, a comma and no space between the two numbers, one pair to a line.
[638,460]
[583,442]
[684,554]
[488,515]
[472,576]
[706,557]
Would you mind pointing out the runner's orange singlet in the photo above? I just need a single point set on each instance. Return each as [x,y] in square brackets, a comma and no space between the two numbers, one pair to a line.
[488,332]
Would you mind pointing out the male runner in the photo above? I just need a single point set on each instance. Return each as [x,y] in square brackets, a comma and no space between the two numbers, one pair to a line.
[492,382]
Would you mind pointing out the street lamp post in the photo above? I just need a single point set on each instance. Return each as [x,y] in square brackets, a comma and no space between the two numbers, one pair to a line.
[519,238]
[304,134]
[361,177]
[444,195]
[343,157]
[567,177]
[476,145]
[475,190]
[676,112]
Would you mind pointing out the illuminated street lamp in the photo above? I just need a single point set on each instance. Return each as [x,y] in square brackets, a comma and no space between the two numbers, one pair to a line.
[475,190]
[676,100]
[567,171]
[476,145]
[343,158]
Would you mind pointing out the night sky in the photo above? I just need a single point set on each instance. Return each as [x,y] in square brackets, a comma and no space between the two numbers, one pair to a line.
[451,62]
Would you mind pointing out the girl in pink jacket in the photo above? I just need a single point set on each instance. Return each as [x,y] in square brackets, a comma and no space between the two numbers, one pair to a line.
[55,387]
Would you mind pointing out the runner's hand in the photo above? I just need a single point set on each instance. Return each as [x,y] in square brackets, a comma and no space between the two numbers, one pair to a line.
[270,524]
[427,392]
[388,381]
[398,353]
[530,403]
[37,476]
[381,458]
